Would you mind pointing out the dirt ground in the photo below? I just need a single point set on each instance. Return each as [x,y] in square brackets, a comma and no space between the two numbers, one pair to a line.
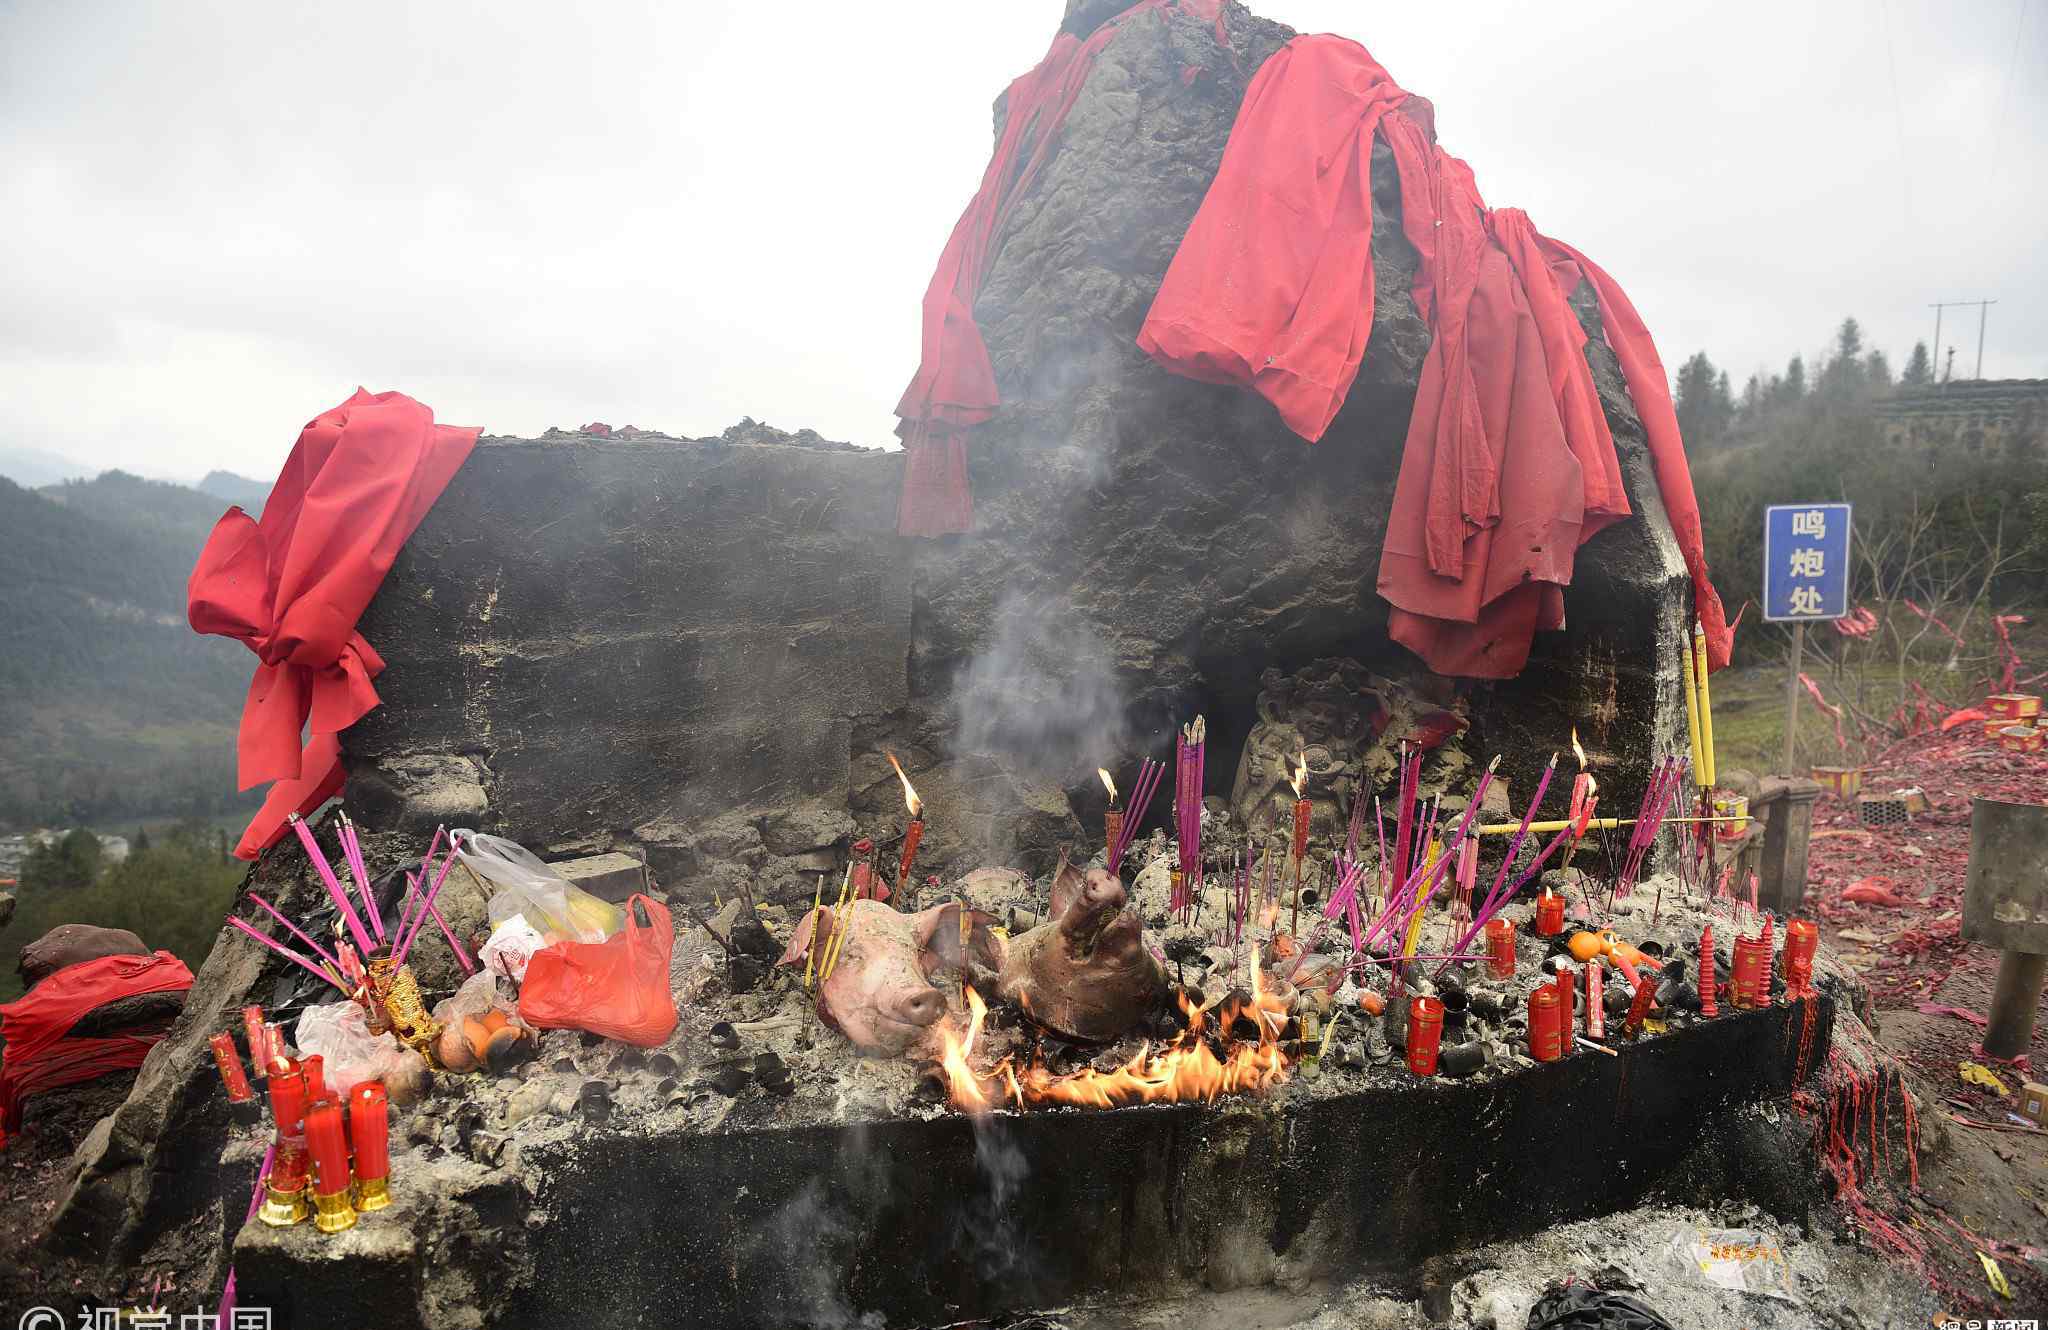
[1890,901]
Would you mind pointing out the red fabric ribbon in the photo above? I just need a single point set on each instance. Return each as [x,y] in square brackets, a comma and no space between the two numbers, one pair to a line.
[1508,465]
[39,1053]
[954,388]
[292,585]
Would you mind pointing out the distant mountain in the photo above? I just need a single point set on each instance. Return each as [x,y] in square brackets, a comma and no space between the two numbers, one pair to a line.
[32,468]
[110,705]
[232,488]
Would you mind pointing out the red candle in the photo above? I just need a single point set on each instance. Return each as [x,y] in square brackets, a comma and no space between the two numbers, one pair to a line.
[1596,1014]
[273,1045]
[230,1064]
[1546,1038]
[369,1129]
[287,1097]
[1708,1007]
[1112,827]
[1639,1007]
[1567,991]
[315,1068]
[1801,938]
[1302,809]
[1500,947]
[1750,985]
[1425,1034]
[284,1202]
[327,1144]
[259,1041]
[912,834]
[1549,913]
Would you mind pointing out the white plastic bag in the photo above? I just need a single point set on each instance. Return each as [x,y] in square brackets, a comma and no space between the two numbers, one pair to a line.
[338,1033]
[511,946]
[522,885]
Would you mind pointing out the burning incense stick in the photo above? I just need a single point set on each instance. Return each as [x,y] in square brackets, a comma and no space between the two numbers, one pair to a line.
[1187,810]
[1141,799]
[326,871]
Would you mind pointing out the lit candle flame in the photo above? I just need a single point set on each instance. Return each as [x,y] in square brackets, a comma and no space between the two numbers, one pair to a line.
[910,799]
[1299,780]
[1107,784]
[1577,751]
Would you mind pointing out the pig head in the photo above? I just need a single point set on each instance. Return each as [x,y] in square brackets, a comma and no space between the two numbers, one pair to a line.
[1085,972]
[880,993]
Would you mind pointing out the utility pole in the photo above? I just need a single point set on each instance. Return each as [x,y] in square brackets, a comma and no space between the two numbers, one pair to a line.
[1983,313]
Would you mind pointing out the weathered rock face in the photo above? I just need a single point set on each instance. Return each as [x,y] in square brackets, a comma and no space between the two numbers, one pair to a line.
[585,636]
[596,643]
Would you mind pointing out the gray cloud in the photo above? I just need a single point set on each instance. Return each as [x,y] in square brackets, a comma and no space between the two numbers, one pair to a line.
[225,216]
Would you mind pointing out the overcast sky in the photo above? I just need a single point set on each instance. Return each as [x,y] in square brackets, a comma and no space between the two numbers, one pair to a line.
[221,217]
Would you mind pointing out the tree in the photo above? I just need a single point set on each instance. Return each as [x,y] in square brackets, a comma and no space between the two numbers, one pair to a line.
[1841,379]
[1919,368]
[1877,370]
[72,860]
[1791,389]
[1702,402]
[141,840]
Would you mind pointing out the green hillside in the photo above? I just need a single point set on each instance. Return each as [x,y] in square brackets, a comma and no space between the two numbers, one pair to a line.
[110,706]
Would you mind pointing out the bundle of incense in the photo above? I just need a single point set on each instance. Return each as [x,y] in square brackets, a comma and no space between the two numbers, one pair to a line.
[333,885]
[1404,905]
[1404,811]
[1187,809]
[1357,826]
[1657,801]
[1650,837]
[352,855]
[1134,809]
[1494,897]
[1437,860]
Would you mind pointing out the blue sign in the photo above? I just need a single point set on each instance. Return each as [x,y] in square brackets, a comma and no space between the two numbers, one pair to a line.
[1806,561]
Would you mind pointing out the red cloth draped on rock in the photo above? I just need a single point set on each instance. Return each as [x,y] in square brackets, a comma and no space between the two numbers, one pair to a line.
[291,586]
[1508,465]
[954,388]
[36,1050]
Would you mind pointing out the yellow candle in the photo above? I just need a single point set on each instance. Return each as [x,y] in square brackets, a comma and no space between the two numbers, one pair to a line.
[1692,711]
[1699,648]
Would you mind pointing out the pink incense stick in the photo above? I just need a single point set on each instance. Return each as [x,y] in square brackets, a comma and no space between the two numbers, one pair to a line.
[426,862]
[352,849]
[284,951]
[468,967]
[355,925]
[296,931]
[426,905]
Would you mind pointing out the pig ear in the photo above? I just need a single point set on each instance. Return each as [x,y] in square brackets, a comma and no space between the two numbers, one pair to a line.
[939,940]
[808,930]
[1066,887]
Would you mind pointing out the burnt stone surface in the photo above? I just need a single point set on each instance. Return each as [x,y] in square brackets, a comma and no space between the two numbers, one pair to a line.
[615,632]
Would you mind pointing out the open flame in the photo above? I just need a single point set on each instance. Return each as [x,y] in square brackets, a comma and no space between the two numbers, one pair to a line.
[1299,780]
[1202,1063]
[1107,784]
[1577,751]
[910,799]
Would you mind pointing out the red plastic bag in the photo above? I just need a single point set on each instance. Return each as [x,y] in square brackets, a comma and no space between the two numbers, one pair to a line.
[617,988]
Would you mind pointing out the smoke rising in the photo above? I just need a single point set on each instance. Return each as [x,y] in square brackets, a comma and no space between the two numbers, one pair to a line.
[989,1237]
[1043,692]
